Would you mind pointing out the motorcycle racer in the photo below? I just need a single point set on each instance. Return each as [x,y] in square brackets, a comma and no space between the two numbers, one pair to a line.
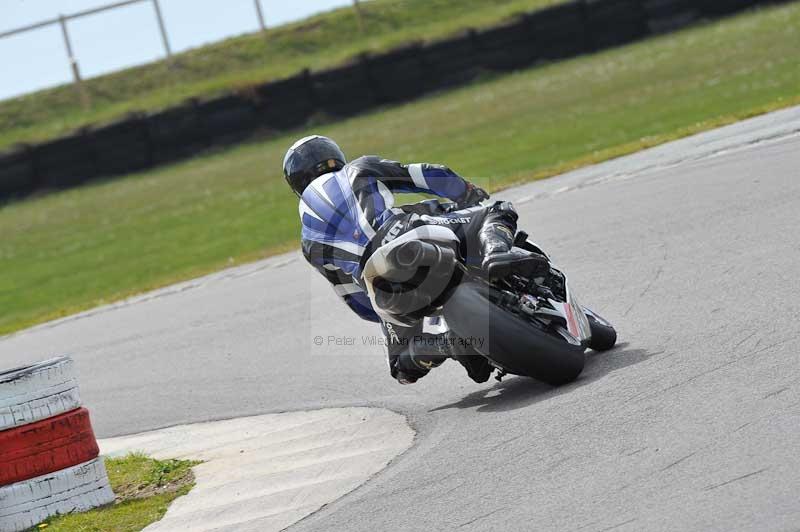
[347,210]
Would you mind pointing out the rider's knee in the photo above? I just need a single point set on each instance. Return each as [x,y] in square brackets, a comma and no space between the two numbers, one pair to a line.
[405,379]
[408,366]
[405,371]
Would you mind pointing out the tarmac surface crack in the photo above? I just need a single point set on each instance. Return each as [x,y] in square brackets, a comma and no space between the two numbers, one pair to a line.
[680,460]
[737,479]
[652,281]
[618,525]
[481,517]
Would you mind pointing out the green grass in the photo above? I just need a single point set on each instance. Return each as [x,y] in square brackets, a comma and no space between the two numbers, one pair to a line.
[144,488]
[69,251]
[321,41]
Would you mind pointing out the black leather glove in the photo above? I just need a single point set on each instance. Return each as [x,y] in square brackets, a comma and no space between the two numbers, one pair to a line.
[472,196]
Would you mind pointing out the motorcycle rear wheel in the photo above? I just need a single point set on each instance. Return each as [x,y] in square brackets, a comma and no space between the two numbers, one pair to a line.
[510,340]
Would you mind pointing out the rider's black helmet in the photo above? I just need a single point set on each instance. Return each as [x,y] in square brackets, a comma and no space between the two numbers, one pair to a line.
[310,158]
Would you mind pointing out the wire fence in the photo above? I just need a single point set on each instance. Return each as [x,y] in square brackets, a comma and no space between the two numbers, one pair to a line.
[145,140]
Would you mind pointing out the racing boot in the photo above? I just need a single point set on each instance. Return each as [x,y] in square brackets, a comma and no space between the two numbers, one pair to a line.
[478,367]
[497,238]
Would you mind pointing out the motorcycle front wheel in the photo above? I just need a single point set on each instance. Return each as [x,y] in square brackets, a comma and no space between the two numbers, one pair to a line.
[510,340]
[604,337]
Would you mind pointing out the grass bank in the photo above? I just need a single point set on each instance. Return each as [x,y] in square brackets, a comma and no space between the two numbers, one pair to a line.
[144,488]
[73,250]
[320,41]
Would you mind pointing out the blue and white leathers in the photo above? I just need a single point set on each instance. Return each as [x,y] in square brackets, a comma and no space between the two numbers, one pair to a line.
[341,212]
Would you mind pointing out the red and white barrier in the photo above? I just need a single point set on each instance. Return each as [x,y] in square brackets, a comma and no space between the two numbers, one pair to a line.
[48,452]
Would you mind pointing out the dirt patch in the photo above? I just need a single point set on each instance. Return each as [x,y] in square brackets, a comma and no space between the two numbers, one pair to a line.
[138,477]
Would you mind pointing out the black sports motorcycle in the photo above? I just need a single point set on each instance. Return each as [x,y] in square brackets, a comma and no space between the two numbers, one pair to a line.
[530,325]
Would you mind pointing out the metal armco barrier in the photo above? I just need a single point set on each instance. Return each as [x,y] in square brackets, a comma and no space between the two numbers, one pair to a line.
[49,460]
[143,141]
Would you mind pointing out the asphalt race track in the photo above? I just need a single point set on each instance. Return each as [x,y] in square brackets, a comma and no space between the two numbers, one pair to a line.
[692,423]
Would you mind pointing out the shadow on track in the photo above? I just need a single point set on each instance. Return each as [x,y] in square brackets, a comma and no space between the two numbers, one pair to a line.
[520,392]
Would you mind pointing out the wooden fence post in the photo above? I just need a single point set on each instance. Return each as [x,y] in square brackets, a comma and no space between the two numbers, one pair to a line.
[73,64]
[359,16]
